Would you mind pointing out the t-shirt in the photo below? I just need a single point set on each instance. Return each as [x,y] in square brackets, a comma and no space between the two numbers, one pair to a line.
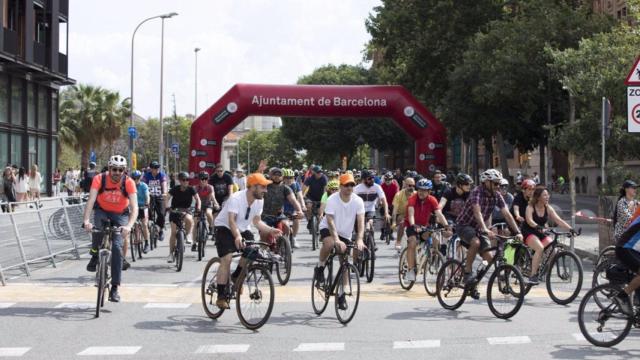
[370,195]
[221,186]
[497,212]
[181,198]
[400,202]
[455,203]
[439,189]
[112,199]
[238,204]
[204,192]
[487,202]
[275,198]
[316,187]
[325,197]
[288,207]
[390,190]
[344,213]
[422,209]
[142,190]
[522,203]
[154,182]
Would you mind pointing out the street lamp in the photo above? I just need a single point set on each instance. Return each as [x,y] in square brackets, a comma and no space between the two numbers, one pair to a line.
[161,146]
[248,156]
[195,106]
[163,16]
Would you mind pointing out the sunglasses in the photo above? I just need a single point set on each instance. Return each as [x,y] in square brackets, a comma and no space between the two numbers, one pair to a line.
[219,171]
[184,179]
[246,215]
[350,185]
[117,170]
[411,186]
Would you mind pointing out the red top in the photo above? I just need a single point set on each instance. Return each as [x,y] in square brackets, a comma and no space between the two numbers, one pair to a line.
[390,190]
[422,209]
[112,199]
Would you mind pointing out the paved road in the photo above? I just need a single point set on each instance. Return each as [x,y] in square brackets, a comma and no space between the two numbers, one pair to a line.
[51,316]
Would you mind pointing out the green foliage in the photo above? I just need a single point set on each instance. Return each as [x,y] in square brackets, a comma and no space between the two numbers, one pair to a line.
[271,146]
[177,129]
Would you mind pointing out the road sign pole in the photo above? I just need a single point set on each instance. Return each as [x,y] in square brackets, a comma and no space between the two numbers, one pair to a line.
[604,128]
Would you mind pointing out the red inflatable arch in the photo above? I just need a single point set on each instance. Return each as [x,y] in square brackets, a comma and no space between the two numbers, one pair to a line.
[244,100]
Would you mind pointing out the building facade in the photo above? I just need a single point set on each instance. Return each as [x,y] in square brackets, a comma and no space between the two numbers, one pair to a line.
[33,66]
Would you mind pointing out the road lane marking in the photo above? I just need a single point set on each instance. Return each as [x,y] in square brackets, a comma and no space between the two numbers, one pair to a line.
[509,340]
[14,351]
[167,305]
[222,349]
[110,350]
[75,306]
[416,344]
[320,347]
[5,305]
[579,337]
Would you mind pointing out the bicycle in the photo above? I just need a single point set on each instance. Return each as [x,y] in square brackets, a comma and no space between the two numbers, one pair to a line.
[282,247]
[154,229]
[452,291]
[313,225]
[365,262]
[136,238]
[252,290]
[345,287]
[103,273]
[606,258]
[428,261]
[201,233]
[602,322]
[559,267]
[181,235]
[455,250]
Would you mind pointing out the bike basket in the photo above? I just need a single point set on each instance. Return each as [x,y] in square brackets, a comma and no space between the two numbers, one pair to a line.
[618,274]
[509,254]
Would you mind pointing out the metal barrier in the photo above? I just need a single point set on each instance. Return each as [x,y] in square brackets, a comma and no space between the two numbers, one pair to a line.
[39,231]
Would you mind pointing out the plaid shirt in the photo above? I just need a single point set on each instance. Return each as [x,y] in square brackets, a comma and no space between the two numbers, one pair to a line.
[487,202]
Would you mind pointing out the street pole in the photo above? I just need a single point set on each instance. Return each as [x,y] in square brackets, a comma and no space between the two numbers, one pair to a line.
[248,157]
[161,146]
[195,106]
[572,160]
[604,129]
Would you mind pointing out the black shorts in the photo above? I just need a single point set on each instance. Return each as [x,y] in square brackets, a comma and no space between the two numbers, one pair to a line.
[225,242]
[176,218]
[629,257]
[467,233]
[369,215]
[411,231]
[325,233]
[142,211]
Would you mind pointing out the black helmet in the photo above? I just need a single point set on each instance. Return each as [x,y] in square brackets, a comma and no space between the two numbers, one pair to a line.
[183,175]
[275,171]
[365,174]
[629,183]
[203,175]
[463,179]
[154,165]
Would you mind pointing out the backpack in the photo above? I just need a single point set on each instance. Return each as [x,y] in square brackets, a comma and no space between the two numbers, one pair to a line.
[85,184]
[123,188]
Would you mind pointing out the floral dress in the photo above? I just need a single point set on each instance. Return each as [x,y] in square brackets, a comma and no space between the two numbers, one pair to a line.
[625,210]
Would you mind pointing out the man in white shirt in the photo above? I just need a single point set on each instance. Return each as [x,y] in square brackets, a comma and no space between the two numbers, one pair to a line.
[371,193]
[240,179]
[336,228]
[233,225]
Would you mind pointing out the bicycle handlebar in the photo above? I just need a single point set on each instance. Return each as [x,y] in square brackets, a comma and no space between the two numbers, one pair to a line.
[568,233]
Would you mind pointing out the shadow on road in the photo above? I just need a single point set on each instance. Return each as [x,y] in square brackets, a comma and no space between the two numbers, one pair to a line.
[431,314]
[591,352]
[194,324]
[62,314]
[325,321]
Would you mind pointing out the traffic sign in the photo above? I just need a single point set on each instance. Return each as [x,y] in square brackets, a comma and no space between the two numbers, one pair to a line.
[175,148]
[92,157]
[633,78]
[633,106]
[133,132]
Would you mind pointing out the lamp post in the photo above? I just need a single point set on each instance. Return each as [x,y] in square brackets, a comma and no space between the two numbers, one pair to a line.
[131,97]
[161,146]
[195,106]
[248,156]
[572,159]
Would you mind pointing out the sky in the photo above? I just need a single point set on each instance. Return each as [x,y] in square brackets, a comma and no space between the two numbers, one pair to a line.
[241,41]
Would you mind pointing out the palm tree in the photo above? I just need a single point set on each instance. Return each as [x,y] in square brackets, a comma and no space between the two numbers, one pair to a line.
[78,125]
[112,114]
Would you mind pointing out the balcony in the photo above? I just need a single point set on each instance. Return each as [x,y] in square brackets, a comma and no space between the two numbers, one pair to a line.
[39,53]
[62,64]
[64,8]
[10,41]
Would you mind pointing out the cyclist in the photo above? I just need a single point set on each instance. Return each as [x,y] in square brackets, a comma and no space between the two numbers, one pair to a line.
[277,194]
[344,208]
[289,180]
[332,187]
[180,198]
[233,224]
[420,207]
[400,209]
[453,199]
[371,193]
[471,224]
[142,190]
[439,184]
[313,188]
[222,184]
[522,199]
[207,200]
[390,187]
[157,182]
[534,226]
[112,197]
[508,200]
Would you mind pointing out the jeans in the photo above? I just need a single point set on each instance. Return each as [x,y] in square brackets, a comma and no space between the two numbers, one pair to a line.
[157,203]
[116,241]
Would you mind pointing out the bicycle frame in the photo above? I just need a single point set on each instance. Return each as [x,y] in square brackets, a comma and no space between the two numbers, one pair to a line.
[344,261]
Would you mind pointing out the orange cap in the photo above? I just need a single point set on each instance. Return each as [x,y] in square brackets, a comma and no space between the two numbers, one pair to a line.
[257,179]
[346,179]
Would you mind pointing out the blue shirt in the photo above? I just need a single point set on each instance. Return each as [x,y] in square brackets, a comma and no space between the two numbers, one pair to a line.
[142,190]
[154,182]
[288,207]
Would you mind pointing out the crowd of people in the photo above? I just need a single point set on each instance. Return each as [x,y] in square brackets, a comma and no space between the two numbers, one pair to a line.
[18,185]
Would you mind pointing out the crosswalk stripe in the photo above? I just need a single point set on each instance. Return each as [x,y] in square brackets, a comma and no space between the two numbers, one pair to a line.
[221,349]
[110,350]
[320,347]
[509,340]
[416,344]
[75,306]
[14,351]
[167,305]
[4,305]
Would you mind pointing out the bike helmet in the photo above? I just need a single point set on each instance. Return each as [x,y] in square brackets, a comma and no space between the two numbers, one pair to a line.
[275,171]
[490,175]
[154,165]
[288,173]
[183,175]
[117,161]
[424,184]
[463,179]
[528,184]
[333,185]
[316,169]
[136,175]
[365,174]
[388,175]
[203,175]
[504,182]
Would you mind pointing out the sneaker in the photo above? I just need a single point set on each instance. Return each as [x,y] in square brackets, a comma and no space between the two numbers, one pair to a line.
[161,236]
[113,295]
[93,263]
[469,278]
[342,302]
[622,300]
[295,244]
[145,249]
[194,247]
[533,280]
[410,275]
[188,240]
[125,265]
[475,294]
[222,304]
[170,259]
[319,275]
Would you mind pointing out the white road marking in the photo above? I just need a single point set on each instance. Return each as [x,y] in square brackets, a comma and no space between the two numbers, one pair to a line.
[416,344]
[110,350]
[167,305]
[579,337]
[221,349]
[13,351]
[4,305]
[75,306]
[509,340]
[320,347]
[150,285]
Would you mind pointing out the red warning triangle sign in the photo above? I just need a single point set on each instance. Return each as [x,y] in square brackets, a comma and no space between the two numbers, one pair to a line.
[633,79]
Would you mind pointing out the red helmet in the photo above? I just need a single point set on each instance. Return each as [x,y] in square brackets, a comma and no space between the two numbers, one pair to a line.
[528,184]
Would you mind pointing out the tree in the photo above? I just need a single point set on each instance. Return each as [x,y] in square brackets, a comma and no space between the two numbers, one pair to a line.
[272,147]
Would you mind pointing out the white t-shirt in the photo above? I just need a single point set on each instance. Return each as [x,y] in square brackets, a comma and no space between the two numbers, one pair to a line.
[21,186]
[370,195]
[344,213]
[237,204]
[35,182]
[241,182]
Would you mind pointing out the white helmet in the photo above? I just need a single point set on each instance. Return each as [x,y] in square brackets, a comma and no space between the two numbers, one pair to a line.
[490,175]
[504,182]
[117,160]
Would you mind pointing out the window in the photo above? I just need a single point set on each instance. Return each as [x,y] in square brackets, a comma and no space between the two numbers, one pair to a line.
[42,163]
[4,149]
[31,105]
[54,154]
[54,111]
[16,101]
[32,151]
[16,149]
[43,94]
[624,12]
[4,99]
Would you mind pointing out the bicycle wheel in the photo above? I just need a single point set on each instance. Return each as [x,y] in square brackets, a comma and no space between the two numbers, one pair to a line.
[283,266]
[505,291]
[430,269]
[522,262]
[209,289]
[603,326]
[153,235]
[403,267]
[564,277]
[202,239]
[101,282]
[179,250]
[140,236]
[606,255]
[450,285]
[314,232]
[349,288]
[369,258]
[132,243]
[254,297]
[320,292]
